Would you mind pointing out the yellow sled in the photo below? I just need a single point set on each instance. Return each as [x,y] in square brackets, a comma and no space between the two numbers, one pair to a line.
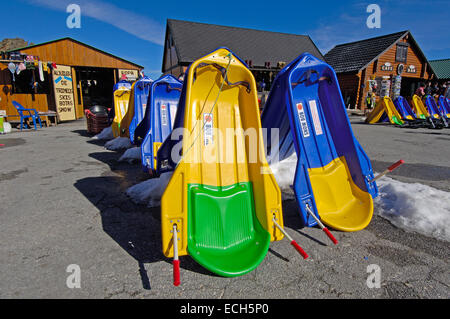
[222,196]
[385,106]
[121,101]
[420,108]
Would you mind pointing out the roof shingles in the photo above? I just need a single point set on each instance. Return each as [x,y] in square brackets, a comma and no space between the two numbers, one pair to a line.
[194,40]
[354,56]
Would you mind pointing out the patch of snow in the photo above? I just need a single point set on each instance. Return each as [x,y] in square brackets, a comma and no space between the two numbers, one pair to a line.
[150,191]
[131,155]
[105,135]
[119,143]
[284,173]
[7,127]
[414,207]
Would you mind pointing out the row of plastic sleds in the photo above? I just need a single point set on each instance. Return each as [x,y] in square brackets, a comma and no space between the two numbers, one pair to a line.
[145,112]
[158,119]
[428,111]
[223,210]
[401,114]
[385,111]
[333,175]
[136,107]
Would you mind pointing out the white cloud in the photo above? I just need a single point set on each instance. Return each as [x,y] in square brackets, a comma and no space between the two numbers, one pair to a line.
[125,20]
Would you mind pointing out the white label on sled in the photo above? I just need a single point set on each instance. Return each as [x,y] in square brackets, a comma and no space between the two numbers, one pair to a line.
[163,115]
[316,118]
[302,118]
[122,108]
[208,124]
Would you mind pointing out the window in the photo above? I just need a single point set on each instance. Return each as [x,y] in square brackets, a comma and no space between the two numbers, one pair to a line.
[402,53]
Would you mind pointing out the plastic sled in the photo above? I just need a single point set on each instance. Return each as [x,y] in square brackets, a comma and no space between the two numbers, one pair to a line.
[434,111]
[422,113]
[444,106]
[136,108]
[385,111]
[333,172]
[223,208]
[157,123]
[407,114]
[121,101]
[122,83]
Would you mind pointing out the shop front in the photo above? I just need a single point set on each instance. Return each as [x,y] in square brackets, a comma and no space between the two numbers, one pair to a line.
[64,76]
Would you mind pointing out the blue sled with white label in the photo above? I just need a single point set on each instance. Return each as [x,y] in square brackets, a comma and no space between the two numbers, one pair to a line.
[158,121]
[333,178]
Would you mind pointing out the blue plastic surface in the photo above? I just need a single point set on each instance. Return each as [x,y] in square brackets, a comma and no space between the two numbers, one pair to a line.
[320,136]
[157,124]
[141,92]
[120,84]
[444,106]
[432,108]
[403,107]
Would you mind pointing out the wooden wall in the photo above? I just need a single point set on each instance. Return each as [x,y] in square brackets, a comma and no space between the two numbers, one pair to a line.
[374,69]
[64,52]
[69,52]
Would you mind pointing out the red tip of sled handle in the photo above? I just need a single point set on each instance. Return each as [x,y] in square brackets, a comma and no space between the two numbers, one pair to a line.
[396,165]
[176,273]
[330,235]
[299,249]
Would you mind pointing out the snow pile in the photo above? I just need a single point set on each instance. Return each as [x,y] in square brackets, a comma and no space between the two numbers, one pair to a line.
[284,172]
[415,207]
[119,143]
[150,191]
[105,135]
[131,155]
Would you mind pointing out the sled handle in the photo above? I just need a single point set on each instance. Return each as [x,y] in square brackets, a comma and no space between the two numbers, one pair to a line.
[176,261]
[223,71]
[293,242]
[389,170]
[322,226]
[308,74]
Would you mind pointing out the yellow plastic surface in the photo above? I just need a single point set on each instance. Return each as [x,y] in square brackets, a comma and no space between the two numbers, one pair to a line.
[385,105]
[128,117]
[341,204]
[219,163]
[121,100]
[419,107]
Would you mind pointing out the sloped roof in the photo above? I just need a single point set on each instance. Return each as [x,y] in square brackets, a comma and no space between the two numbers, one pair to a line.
[441,68]
[193,40]
[78,42]
[354,56]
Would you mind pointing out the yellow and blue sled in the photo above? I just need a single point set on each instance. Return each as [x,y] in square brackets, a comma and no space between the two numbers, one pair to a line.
[334,176]
[222,197]
[121,101]
[385,111]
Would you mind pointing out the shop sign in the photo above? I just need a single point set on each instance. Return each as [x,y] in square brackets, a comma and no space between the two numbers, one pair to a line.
[411,69]
[132,75]
[387,67]
[63,88]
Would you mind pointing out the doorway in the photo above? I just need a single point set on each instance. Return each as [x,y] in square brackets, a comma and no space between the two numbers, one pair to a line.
[95,86]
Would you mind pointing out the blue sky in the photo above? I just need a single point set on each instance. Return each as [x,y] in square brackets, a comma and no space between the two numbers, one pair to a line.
[134,30]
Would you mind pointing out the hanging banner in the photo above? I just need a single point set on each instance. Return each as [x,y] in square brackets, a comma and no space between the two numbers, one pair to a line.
[63,88]
[132,75]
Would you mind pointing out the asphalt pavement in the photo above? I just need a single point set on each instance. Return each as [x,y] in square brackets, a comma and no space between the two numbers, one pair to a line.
[63,202]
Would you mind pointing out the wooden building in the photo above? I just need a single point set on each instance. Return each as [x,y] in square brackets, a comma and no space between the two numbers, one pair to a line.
[389,65]
[75,76]
[265,52]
